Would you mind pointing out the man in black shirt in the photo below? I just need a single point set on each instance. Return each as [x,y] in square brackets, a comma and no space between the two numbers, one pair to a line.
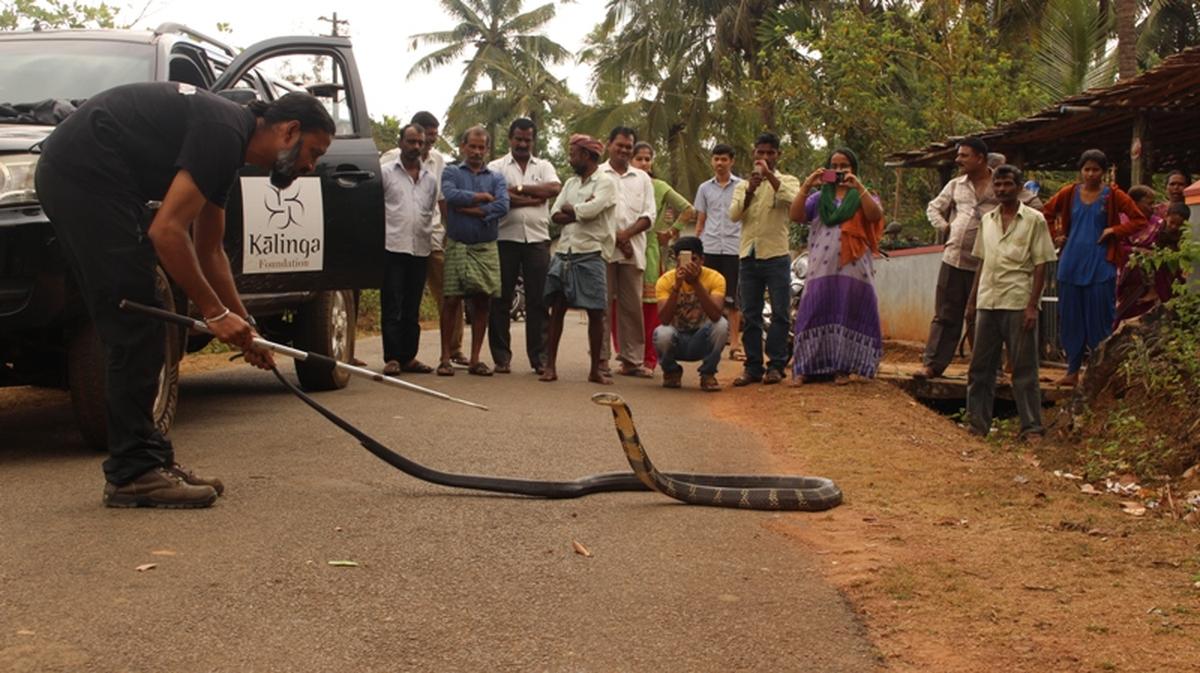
[172,143]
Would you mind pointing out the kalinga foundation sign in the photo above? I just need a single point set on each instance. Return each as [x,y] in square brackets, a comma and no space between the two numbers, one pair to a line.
[284,228]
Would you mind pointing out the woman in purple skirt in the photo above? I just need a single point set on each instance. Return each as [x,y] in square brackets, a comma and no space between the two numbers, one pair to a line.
[837,324]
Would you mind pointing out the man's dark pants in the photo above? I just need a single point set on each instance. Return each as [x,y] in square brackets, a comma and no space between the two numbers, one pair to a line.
[953,291]
[530,262]
[99,226]
[993,330]
[400,303]
[772,275]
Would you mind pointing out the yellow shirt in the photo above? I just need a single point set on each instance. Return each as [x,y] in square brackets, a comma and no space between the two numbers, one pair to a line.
[1008,258]
[765,223]
[689,314]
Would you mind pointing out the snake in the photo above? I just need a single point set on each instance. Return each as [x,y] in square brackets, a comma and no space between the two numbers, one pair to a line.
[756,492]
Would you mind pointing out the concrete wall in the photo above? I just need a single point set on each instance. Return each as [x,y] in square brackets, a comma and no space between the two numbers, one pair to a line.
[905,283]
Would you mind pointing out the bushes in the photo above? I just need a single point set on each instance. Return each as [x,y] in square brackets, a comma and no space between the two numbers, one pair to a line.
[1137,410]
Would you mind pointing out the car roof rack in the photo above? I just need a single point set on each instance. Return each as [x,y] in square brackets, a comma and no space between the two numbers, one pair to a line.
[180,29]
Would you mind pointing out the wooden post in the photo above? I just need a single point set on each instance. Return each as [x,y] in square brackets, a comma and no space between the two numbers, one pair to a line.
[896,199]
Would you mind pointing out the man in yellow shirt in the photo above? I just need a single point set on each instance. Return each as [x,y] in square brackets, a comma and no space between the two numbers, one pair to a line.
[1014,247]
[691,299]
[760,203]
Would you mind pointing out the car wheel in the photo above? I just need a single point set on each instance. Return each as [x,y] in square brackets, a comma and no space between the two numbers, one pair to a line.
[325,325]
[87,376]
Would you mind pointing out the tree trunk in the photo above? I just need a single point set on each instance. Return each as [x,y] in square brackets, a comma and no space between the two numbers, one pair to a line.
[1126,17]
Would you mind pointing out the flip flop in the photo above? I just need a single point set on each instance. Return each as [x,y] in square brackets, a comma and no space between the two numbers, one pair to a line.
[637,372]
[737,354]
[444,369]
[416,367]
[479,369]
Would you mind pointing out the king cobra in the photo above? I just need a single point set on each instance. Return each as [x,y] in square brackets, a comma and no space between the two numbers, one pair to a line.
[769,492]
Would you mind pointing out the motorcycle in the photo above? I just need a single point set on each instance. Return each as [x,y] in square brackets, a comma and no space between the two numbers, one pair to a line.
[799,275]
[517,311]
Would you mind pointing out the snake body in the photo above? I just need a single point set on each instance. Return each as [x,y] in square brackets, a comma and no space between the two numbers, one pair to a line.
[764,492]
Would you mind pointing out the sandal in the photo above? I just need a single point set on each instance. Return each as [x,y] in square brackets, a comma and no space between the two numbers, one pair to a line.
[737,354]
[479,369]
[416,367]
[637,372]
[445,369]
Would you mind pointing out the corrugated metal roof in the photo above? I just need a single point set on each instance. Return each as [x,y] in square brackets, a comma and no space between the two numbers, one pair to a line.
[1166,96]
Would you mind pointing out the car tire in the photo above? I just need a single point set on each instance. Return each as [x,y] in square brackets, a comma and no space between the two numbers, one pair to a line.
[325,325]
[87,376]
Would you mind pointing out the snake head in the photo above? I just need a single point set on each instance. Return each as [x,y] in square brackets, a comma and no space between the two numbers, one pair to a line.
[608,399]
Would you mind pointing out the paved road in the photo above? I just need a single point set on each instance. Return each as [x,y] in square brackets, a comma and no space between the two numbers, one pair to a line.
[447,580]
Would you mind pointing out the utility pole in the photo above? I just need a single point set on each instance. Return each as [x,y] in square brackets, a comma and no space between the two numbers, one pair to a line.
[335,24]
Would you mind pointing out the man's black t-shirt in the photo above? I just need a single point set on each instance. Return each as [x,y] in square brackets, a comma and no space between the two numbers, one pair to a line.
[136,137]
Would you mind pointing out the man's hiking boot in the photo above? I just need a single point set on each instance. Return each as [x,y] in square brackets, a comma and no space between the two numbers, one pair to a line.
[672,379]
[708,383]
[195,479]
[159,487]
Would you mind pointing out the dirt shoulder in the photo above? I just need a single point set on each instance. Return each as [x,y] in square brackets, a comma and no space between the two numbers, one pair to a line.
[965,556]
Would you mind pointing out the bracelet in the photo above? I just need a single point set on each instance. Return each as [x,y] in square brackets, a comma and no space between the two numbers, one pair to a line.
[217,318]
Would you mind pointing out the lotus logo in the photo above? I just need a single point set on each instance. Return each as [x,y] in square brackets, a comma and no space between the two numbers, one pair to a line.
[283,205]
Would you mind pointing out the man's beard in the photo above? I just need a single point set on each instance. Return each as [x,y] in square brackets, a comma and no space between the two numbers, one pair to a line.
[580,169]
[283,173]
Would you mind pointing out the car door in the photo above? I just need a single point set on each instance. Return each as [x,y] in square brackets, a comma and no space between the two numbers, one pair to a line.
[325,232]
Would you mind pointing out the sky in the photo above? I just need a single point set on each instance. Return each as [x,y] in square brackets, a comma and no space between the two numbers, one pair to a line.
[380,34]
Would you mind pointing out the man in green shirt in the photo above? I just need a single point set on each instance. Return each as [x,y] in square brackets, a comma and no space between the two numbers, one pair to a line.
[1014,246]
[761,204]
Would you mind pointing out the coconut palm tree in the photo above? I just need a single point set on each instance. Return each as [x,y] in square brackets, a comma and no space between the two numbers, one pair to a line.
[1072,48]
[498,39]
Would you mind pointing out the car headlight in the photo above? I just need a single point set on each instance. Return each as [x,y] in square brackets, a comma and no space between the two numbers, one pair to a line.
[16,179]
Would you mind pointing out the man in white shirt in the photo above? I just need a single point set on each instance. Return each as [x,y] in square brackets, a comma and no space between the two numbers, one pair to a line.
[627,261]
[524,246]
[410,195]
[576,278]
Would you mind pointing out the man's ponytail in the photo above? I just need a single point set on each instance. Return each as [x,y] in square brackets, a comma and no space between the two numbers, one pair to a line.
[295,106]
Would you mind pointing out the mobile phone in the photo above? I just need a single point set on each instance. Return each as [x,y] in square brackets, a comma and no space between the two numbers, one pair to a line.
[830,177]
[685,257]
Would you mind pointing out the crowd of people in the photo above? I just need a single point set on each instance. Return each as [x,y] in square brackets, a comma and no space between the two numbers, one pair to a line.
[652,297]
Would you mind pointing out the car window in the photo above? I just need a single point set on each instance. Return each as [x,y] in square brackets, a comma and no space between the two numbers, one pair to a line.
[322,76]
[34,70]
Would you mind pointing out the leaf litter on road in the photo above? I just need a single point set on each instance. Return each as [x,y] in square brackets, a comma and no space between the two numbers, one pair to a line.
[146,566]
[580,549]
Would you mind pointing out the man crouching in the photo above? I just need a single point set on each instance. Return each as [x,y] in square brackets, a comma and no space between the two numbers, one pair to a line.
[690,301]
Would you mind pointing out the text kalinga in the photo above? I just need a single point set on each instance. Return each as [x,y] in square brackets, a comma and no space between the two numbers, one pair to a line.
[279,244]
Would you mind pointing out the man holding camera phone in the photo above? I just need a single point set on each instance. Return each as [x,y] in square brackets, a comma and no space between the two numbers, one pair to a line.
[761,204]
[690,306]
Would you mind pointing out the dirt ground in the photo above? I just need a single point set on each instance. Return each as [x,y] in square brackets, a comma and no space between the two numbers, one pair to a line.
[962,555]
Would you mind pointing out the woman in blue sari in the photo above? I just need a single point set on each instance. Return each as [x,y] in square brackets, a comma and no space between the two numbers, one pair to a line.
[1085,220]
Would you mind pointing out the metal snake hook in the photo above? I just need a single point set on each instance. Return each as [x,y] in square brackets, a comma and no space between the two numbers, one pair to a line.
[297,354]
